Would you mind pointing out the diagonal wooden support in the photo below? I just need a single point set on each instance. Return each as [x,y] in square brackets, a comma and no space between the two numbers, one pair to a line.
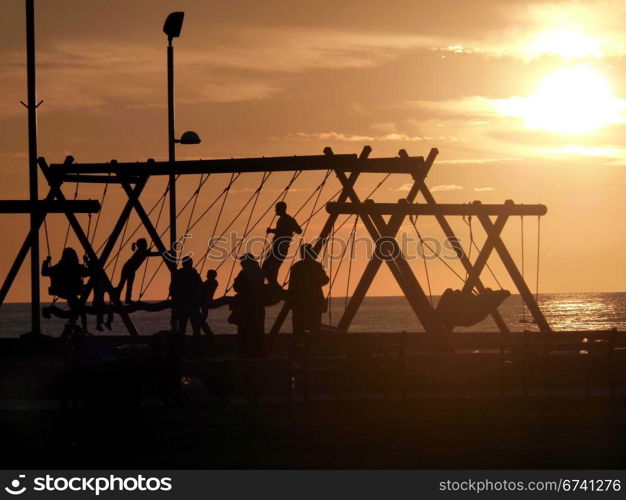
[483,256]
[115,234]
[395,222]
[55,188]
[21,255]
[447,230]
[19,259]
[516,276]
[398,265]
[411,287]
[145,219]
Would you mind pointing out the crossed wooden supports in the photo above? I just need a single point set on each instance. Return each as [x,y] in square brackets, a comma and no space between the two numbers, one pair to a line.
[381,231]
[99,262]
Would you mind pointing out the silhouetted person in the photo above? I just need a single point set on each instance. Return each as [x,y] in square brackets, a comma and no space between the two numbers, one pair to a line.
[248,309]
[185,291]
[98,303]
[207,293]
[306,297]
[130,267]
[66,280]
[285,228]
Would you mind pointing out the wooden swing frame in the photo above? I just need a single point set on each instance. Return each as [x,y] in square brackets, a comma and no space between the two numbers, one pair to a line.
[133,178]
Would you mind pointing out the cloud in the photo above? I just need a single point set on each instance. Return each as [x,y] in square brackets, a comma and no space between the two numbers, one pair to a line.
[483,189]
[346,137]
[446,187]
[404,187]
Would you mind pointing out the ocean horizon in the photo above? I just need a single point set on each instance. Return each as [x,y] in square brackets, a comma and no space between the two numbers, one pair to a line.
[564,312]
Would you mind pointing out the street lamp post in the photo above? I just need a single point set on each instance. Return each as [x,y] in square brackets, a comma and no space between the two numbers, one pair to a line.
[173,25]
[172,28]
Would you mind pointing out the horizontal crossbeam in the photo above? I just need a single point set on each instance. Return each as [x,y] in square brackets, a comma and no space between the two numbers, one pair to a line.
[49,206]
[460,209]
[341,163]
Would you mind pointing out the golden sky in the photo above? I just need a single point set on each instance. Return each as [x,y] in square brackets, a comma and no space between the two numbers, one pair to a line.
[523,99]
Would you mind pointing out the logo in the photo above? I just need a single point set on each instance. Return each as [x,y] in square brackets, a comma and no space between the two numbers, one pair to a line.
[176,255]
[15,489]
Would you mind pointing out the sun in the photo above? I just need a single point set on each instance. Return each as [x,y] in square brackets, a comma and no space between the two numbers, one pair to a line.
[572,100]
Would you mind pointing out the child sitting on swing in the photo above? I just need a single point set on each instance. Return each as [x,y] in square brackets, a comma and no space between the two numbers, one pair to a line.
[66,281]
[130,267]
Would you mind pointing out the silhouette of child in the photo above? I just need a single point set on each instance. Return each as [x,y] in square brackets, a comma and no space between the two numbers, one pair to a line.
[130,267]
[207,293]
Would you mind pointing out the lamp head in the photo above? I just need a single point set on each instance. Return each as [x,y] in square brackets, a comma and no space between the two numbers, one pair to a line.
[173,24]
[189,137]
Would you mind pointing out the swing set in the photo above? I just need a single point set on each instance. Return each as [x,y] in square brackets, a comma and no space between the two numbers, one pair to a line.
[133,178]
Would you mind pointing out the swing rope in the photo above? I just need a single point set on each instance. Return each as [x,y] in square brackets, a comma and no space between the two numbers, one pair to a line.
[193,197]
[432,250]
[224,196]
[67,231]
[246,231]
[468,221]
[117,256]
[538,253]
[102,200]
[329,296]
[234,219]
[45,229]
[142,288]
[523,320]
[422,245]
[475,246]
[353,236]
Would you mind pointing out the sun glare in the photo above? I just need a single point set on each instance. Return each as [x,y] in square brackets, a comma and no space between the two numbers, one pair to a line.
[568,41]
[571,100]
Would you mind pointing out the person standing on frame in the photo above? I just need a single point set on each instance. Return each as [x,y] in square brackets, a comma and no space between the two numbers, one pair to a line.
[140,253]
[286,227]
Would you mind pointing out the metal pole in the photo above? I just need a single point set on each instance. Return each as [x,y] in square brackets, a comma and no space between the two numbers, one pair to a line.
[32,164]
[171,141]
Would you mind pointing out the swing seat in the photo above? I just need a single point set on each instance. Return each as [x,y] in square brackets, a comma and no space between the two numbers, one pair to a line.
[457,308]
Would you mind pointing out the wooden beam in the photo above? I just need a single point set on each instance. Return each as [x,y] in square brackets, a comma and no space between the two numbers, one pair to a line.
[49,206]
[456,209]
[344,163]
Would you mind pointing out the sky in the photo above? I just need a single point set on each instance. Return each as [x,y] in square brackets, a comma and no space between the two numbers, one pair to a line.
[524,100]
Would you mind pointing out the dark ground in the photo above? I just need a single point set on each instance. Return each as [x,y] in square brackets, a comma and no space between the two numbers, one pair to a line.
[479,432]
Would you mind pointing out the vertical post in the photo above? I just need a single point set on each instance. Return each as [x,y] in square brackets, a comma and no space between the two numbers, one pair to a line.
[32,165]
[171,140]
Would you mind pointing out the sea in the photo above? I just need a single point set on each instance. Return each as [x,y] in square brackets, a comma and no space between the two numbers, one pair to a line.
[564,311]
